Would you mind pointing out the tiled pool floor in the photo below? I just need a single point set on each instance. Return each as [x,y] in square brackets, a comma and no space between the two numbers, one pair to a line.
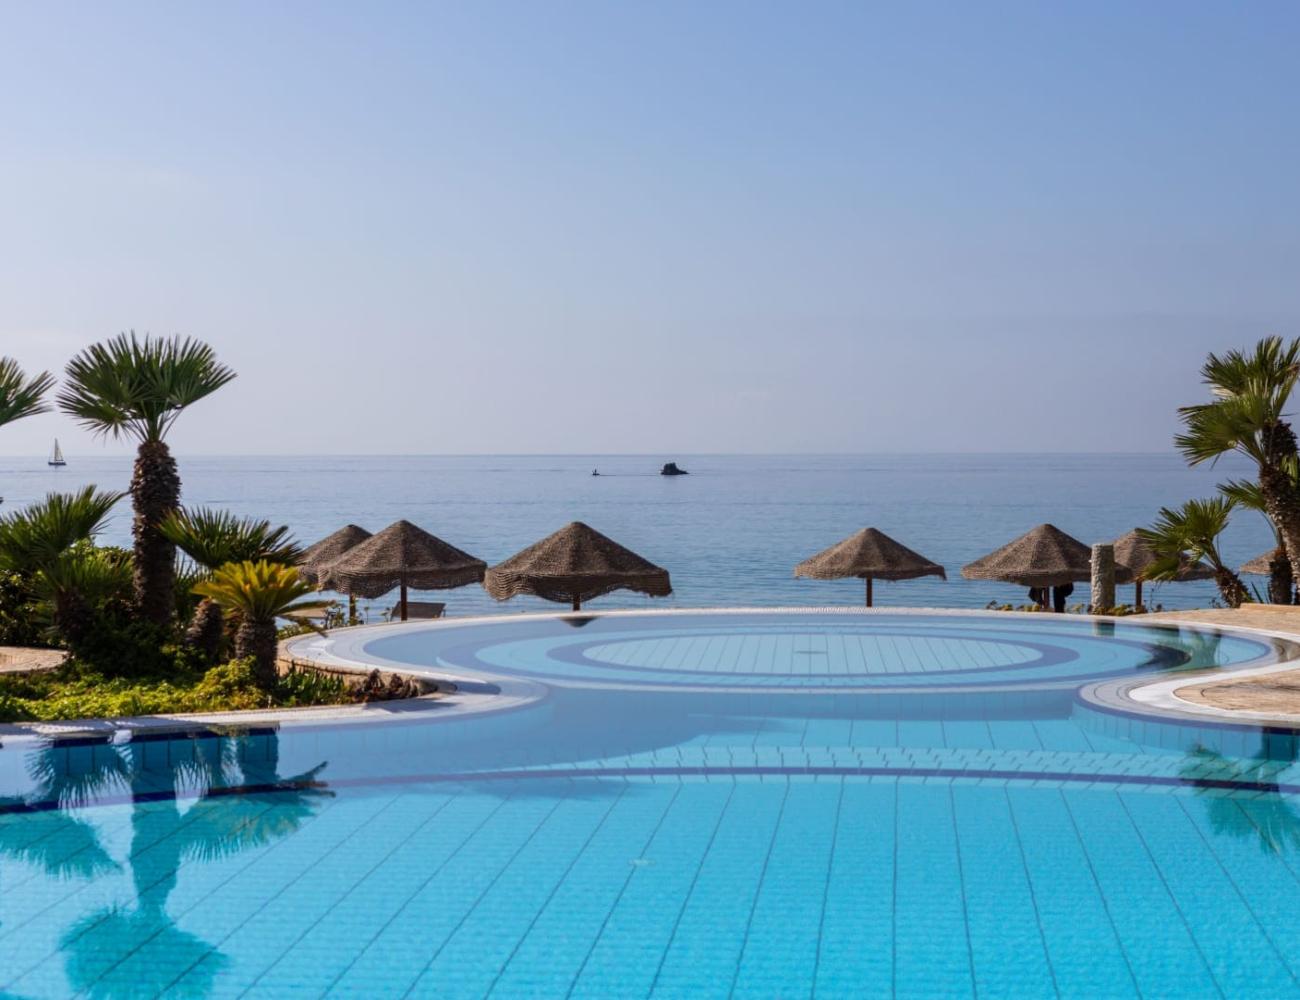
[636,888]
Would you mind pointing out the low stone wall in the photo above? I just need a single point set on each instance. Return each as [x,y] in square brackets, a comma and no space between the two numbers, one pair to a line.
[426,686]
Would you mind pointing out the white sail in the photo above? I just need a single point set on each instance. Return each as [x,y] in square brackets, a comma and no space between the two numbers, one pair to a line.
[57,457]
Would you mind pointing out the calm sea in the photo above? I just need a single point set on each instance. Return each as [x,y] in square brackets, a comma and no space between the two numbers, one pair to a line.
[730,533]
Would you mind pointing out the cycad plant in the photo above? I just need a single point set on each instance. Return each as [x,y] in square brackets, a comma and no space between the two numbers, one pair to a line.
[21,396]
[136,387]
[258,593]
[1191,533]
[1251,391]
[212,538]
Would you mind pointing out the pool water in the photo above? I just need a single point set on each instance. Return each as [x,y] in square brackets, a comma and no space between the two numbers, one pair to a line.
[615,838]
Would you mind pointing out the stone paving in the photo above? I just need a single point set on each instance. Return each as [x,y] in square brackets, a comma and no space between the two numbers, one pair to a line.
[23,660]
[1277,692]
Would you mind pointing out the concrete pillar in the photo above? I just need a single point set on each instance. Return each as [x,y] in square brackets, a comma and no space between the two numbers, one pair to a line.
[1103,577]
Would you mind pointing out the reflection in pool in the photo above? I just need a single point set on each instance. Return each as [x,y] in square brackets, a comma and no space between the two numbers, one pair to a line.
[631,841]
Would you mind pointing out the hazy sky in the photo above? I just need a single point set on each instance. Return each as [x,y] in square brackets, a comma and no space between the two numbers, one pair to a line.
[663,227]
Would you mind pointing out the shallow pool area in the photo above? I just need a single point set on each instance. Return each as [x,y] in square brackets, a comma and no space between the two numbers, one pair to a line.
[832,804]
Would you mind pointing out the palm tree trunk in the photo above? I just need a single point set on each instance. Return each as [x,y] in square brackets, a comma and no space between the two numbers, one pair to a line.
[207,629]
[155,493]
[1281,493]
[1279,579]
[1231,588]
[257,639]
[74,619]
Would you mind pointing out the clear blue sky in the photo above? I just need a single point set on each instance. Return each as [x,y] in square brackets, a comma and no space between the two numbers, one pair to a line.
[664,227]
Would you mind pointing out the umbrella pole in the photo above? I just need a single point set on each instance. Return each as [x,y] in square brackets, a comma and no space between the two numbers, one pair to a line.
[1137,594]
[403,600]
[577,604]
[868,591]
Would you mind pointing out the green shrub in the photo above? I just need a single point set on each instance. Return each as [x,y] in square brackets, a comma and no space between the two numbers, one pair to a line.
[307,687]
[21,623]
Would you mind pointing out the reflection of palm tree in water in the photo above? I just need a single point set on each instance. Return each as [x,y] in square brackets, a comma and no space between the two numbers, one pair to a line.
[1272,817]
[215,825]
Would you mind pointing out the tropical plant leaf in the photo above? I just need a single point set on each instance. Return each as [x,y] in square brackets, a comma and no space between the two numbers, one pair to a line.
[260,591]
[21,396]
[215,537]
[137,386]
[38,534]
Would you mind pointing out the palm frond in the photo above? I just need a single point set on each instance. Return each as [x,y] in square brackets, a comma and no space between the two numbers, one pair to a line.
[21,396]
[137,386]
[1187,533]
[39,533]
[214,537]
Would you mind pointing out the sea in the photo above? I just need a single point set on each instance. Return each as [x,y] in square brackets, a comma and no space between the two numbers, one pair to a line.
[730,532]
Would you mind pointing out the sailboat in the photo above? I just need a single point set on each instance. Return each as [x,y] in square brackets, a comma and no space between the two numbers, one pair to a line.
[57,457]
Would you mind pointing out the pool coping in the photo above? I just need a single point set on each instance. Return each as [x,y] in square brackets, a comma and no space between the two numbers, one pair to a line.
[478,693]
[1141,695]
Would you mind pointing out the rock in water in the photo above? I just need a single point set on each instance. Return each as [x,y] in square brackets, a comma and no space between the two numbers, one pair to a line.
[671,470]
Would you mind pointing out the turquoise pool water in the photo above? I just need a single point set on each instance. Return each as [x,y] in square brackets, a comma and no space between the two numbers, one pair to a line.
[616,838]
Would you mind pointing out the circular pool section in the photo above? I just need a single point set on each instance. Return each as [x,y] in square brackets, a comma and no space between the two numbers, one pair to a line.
[809,650]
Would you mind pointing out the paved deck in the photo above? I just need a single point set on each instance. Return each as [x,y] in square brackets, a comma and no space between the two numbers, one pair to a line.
[23,660]
[1276,693]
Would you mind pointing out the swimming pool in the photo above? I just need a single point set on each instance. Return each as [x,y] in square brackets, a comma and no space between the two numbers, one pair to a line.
[794,803]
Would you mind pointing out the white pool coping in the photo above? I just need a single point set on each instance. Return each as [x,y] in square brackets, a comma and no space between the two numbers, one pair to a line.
[345,649]
[481,692]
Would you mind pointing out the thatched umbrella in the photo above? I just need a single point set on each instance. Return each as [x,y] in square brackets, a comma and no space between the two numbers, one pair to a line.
[1261,565]
[401,555]
[1041,558]
[329,549]
[575,564]
[1134,556]
[868,555]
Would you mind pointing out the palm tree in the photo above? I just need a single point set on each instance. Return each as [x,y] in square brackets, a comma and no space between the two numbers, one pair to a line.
[259,593]
[1191,533]
[1281,582]
[1247,415]
[137,387]
[38,534]
[21,396]
[212,538]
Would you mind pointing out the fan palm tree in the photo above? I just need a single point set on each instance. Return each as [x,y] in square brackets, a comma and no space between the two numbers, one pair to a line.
[36,535]
[1281,582]
[1191,533]
[212,538]
[1248,415]
[136,387]
[21,396]
[259,593]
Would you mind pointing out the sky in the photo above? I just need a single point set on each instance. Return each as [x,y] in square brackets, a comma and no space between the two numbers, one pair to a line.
[554,227]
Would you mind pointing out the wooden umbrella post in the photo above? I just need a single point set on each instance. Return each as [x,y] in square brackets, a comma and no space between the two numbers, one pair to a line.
[577,604]
[1137,595]
[868,591]
[403,598]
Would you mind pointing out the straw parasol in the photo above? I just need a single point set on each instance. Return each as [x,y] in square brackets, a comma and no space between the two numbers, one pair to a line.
[1134,556]
[1260,565]
[868,555]
[1041,558]
[328,549]
[401,555]
[575,564]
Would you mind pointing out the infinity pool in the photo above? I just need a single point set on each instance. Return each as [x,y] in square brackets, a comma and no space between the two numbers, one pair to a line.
[784,804]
